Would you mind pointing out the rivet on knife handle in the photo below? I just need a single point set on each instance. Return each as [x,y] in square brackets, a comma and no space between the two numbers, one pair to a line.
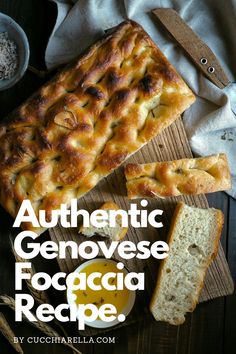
[200,53]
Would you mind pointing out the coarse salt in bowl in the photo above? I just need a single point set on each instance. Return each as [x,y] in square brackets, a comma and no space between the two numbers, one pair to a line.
[16,34]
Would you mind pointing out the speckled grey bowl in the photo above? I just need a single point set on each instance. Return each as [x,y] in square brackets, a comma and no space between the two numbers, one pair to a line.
[15,33]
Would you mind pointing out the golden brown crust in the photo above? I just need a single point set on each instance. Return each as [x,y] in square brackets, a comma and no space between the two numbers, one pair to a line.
[85,122]
[216,237]
[179,177]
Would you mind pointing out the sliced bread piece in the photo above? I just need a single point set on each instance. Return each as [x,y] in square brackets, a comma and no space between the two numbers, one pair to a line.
[114,233]
[193,241]
[187,176]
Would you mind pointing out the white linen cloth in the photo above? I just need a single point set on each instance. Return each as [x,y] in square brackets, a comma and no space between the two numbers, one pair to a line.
[210,122]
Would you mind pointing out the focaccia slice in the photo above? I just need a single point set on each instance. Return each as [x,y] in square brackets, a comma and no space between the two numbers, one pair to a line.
[116,233]
[85,122]
[179,177]
[193,243]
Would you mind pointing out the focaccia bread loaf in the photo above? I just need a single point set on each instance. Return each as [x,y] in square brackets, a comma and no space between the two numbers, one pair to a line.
[113,233]
[179,177]
[193,243]
[85,122]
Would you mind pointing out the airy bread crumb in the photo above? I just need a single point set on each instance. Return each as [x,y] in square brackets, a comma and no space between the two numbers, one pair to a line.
[193,240]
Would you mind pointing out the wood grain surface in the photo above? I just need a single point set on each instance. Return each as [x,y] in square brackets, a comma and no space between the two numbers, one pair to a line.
[193,46]
[170,145]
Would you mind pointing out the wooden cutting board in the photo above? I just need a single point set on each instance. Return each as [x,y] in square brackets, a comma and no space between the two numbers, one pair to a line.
[170,145]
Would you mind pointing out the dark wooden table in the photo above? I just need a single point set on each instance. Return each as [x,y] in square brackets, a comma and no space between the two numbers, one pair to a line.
[211,329]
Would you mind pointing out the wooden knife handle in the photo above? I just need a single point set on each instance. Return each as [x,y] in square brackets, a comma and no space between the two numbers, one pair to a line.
[198,51]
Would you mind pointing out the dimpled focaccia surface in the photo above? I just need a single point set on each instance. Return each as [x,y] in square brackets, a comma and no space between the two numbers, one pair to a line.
[85,122]
[179,177]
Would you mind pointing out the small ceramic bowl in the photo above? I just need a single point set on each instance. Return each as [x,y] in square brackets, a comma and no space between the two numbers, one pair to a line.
[16,34]
[126,310]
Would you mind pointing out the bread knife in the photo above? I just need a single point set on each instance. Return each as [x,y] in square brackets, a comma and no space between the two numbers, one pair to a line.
[197,50]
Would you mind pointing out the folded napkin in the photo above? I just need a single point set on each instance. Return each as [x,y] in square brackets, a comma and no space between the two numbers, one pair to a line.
[211,122]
